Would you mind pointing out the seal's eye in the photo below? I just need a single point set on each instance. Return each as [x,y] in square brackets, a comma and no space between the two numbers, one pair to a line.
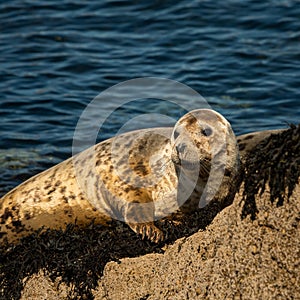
[176,134]
[207,131]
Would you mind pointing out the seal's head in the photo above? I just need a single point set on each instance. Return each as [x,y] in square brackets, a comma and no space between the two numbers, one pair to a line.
[198,137]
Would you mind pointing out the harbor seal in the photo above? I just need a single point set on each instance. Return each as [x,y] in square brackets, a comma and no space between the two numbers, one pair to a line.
[137,177]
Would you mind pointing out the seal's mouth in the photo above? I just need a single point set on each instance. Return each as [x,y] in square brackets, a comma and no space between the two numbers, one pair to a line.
[190,160]
[189,165]
[203,165]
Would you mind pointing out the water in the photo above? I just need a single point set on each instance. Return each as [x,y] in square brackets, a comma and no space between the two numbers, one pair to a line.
[242,56]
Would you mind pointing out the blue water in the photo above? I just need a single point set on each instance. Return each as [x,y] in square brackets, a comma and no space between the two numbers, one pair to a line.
[56,56]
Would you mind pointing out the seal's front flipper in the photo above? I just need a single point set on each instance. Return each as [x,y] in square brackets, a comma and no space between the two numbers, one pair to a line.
[148,230]
[140,218]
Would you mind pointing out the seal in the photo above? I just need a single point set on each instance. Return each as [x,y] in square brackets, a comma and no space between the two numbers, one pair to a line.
[137,177]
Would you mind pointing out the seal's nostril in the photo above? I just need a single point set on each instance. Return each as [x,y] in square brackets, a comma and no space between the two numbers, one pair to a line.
[181,148]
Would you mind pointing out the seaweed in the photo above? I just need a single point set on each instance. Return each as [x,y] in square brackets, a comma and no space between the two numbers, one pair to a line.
[276,162]
[77,256]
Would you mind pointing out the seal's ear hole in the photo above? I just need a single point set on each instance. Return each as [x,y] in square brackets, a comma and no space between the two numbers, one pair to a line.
[207,131]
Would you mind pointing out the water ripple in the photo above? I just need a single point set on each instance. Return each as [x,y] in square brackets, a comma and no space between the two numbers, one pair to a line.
[242,56]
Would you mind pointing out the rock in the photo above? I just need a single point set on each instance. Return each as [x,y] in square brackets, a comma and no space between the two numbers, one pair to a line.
[251,249]
[233,258]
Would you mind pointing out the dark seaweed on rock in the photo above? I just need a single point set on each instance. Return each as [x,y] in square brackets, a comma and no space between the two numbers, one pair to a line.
[275,161]
[78,255]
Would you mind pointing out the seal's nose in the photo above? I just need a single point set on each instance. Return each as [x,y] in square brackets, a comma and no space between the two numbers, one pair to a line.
[180,148]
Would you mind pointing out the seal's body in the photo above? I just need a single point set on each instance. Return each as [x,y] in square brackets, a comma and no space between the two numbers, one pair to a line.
[137,177]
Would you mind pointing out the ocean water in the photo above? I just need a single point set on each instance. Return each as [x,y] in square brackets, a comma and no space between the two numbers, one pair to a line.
[243,57]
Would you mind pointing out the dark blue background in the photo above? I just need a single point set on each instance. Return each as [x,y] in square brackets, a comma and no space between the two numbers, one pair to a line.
[56,56]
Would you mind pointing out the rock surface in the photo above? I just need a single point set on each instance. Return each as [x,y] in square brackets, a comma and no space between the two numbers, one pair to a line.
[251,249]
[231,259]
